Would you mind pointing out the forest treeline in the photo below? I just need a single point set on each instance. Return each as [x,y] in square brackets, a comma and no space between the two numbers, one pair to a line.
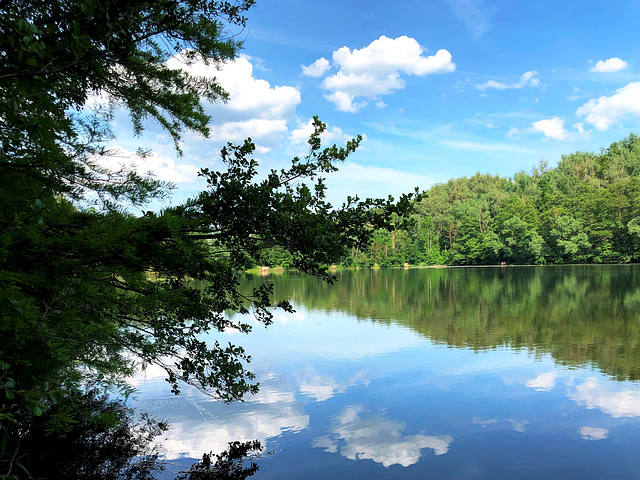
[586,210]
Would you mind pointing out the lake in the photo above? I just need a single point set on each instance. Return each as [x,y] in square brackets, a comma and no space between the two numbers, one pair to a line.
[465,373]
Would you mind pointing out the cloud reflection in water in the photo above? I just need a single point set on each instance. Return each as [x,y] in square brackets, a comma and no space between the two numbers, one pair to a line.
[372,437]
[544,382]
[594,393]
[323,387]
[593,433]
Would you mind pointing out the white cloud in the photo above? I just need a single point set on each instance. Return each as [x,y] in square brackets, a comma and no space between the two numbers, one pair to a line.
[593,433]
[593,394]
[543,382]
[375,70]
[299,137]
[255,108]
[527,79]
[317,68]
[161,167]
[604,111]
[256,128]
[610,65]
[387,55]
[514,132]
[345,102]
[551,128]
[247,94]
[364,437]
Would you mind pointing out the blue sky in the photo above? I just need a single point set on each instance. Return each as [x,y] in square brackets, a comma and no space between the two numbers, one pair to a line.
[439,89]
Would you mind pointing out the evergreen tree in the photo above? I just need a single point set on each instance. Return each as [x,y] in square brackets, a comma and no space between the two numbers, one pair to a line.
[87,292]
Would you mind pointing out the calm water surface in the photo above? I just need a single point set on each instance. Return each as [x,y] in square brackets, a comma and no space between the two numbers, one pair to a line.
[496,373]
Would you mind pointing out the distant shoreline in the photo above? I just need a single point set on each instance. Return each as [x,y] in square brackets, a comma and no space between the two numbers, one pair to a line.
[280,269]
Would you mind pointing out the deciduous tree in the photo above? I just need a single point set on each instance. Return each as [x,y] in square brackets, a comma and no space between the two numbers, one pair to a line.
[85,293]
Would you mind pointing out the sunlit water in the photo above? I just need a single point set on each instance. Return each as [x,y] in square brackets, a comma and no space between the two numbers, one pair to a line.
[493,373]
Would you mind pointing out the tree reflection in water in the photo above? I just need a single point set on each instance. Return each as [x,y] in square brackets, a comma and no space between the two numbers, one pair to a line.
[583,315]
[111,442]
[228,465]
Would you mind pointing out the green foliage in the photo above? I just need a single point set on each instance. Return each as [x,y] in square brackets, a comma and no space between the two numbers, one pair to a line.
[583,211]
[88,291]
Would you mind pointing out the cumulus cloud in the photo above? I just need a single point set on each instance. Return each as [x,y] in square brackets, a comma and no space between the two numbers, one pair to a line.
[247,94]
[299,137]
[605,111]
[256,128]
[375,70]
[593,433]
[160,166]
[551,128]
[317,68]
[358,436]
[255,108]
[527,79]
[610,65]
[389,55]
[345,102]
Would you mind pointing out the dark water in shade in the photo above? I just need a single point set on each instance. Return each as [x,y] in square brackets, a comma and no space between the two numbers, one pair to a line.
[487,373]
